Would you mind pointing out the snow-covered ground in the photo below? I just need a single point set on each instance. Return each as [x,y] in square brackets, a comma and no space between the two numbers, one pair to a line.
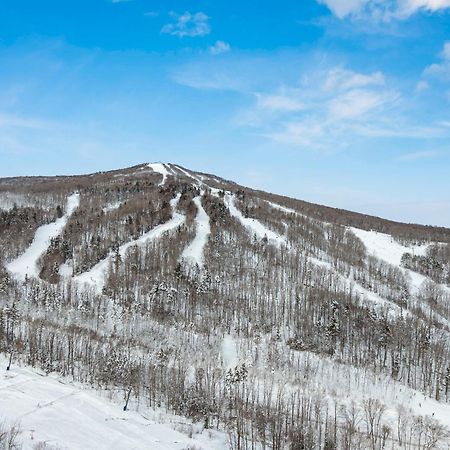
[9,199]
[385,247]
[229,352]
[96,276]
[51,410]
[253,226]
[161,169]
[112,206]
[26,264]
[282,208]
[194,252]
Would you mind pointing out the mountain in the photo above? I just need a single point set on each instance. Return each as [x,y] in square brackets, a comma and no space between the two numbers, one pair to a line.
[255,320]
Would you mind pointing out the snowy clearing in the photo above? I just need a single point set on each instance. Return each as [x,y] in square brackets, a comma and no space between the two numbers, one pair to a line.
[385,247]
[194,252]
[161,169]
[26,264]
[252,225]
[74,417]
[96,277]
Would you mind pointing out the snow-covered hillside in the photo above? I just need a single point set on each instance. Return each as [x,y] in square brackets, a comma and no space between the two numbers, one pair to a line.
[277,323]
[50,410]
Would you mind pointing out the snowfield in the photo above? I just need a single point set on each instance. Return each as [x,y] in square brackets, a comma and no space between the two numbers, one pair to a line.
[96,277]
[26,264]
[193,253]
[51,410]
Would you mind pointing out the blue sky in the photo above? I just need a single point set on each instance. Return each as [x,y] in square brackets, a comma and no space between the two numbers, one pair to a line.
[339,102]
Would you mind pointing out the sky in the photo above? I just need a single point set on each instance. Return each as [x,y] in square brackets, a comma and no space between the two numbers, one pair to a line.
[338,102]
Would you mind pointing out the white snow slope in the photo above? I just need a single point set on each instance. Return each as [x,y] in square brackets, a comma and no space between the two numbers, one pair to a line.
[252,225]
[194,252]
[96,277]
[74,417]
[161,169]
[385,247]
[26,264]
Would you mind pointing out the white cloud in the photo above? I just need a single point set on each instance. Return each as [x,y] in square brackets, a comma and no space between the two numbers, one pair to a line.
[219,47]
[279,102]
[382,10]
[441,69]
[344,8]
[188,24]
[422,86]
[340,78]
[357,102]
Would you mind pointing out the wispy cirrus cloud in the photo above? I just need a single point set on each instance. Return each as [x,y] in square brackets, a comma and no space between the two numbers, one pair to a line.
[382,10]
[328,107]
[441,69]
[187,24]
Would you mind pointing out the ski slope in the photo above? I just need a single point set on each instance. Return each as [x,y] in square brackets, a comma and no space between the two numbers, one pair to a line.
[385,247]
[26,264]
[194,252]
[69,416]
[253,226]
[96,277]
[161,169]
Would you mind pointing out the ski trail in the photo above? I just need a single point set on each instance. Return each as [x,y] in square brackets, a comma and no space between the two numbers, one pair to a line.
[200,182]
[26,264]
[194,252]
[252,225]
[96,276]
[161,169]
[282,208]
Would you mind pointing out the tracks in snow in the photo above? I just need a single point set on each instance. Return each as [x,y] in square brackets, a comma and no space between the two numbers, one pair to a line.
[96,277]
[26,264]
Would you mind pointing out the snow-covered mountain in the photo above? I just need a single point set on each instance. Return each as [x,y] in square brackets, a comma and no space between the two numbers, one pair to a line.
[242,318]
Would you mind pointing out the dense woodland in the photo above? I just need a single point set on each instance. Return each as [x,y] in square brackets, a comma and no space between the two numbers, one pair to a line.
[306,343]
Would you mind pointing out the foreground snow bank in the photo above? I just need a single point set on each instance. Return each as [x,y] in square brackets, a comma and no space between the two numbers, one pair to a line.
[72,417]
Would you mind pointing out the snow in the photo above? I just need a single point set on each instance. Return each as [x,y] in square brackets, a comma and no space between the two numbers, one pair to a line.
[112,207]
[71,416]
[194,252]
[384,247]
[9,199]
[229,352]
[198,181]
[96,276]
[252,225]
[27,263]
[161,169]
[392,309]
[282,208]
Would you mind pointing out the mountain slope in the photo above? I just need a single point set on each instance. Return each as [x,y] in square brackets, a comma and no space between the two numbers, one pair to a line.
[279,322]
